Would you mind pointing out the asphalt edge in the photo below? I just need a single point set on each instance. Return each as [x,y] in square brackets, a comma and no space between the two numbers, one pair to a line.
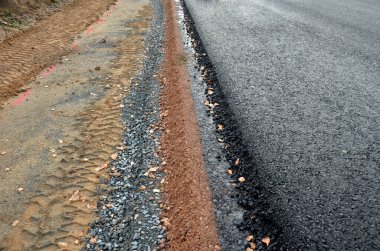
[258,216]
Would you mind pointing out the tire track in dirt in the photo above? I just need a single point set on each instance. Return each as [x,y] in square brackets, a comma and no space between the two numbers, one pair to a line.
[25,55]
[59,213]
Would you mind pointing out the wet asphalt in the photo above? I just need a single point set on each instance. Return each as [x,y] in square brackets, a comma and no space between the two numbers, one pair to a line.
[302,78]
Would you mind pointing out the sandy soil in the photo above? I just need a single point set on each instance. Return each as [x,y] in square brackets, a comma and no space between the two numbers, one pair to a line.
[62,128]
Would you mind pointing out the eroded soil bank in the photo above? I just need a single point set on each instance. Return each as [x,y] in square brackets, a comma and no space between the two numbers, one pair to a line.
[16,16]
[22,57]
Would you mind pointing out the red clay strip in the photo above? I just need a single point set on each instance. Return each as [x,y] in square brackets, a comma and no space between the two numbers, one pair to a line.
[90,29]
[50,70]
[74,45]
[23,96]
[188,210]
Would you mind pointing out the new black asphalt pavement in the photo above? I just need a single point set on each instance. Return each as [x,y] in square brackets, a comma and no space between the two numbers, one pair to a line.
[303,79]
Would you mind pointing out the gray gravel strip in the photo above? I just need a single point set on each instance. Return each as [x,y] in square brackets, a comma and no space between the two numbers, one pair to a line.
[128,210]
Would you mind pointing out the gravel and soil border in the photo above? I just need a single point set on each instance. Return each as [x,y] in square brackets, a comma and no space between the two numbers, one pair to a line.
[129,206]
[188,210]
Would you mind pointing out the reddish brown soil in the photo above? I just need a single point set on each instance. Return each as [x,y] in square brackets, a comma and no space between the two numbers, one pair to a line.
[25,55]
[189,213]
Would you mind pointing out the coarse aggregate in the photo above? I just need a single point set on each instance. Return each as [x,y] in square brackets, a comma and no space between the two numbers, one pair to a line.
[129,205]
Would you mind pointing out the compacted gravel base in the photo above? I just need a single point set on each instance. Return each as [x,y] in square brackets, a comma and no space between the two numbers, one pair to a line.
[129,210]
[247,224]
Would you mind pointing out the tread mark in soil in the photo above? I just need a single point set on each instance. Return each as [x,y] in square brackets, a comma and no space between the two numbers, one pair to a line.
[50,217]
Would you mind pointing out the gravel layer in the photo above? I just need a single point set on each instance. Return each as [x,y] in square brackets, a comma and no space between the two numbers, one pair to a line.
[240,207]
[129,205]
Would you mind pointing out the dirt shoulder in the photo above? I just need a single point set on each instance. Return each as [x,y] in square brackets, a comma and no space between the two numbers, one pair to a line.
[60,134]
[189,213]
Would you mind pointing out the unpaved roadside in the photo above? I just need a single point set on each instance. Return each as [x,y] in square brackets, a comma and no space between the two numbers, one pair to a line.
[60,133]
[64,129]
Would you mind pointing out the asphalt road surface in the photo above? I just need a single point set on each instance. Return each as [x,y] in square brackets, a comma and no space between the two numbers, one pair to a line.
[303,78]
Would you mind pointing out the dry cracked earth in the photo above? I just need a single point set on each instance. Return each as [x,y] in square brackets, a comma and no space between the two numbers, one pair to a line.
[114,136]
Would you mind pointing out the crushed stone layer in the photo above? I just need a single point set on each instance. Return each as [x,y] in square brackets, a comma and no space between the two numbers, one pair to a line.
[129,206]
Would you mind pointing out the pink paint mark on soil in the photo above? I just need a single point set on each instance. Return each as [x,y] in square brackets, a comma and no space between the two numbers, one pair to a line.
[100,21]
[49,71]
[23,96]
[74,45]
[90,29]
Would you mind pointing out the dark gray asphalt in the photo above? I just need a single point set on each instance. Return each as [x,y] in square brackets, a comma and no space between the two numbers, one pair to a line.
[303,78]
